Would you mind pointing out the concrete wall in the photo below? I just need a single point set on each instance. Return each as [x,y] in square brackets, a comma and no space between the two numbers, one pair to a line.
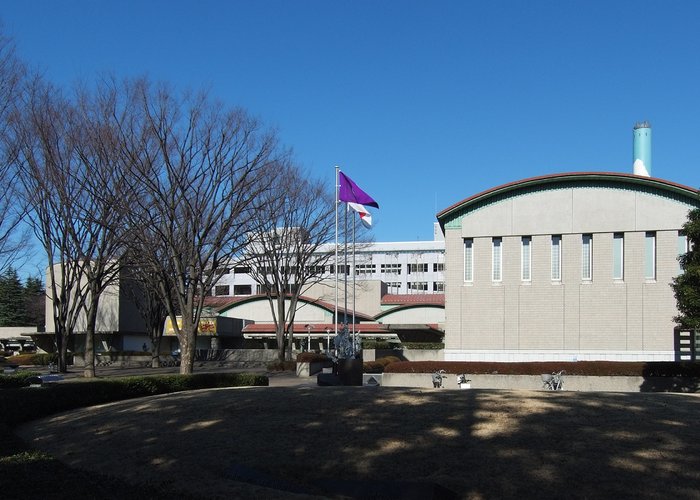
[116,312]
[7,332]
[602,318]
[534,383]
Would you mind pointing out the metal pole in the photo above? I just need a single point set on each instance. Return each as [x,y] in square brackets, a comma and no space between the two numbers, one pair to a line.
[345,313]
[337,187]
[354,352]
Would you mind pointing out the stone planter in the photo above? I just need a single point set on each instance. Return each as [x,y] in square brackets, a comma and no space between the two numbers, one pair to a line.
[307,369]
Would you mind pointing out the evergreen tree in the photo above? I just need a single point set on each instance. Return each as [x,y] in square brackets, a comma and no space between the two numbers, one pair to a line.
[686,287]
[35,303]
[12,306]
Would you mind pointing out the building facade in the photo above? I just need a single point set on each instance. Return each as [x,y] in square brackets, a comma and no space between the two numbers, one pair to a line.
[411,267]
[565,267]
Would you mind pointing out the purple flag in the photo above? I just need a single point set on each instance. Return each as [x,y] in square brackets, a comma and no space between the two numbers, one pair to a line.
[351,192]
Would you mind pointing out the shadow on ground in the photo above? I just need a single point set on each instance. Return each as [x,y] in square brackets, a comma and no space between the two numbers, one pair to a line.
[470,444]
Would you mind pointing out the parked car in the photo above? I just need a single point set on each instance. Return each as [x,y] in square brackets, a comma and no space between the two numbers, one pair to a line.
[12,348]
[29,347]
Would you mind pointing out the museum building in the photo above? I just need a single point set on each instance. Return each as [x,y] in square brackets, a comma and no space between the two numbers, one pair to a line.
[573,266]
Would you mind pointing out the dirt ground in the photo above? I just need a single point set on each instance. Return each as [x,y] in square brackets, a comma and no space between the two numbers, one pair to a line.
[382,442]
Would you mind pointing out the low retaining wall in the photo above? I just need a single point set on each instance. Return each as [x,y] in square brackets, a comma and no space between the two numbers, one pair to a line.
[404,354]
[238,358]
[534,382]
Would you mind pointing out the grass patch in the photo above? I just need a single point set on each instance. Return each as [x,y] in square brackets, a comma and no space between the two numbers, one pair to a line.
[32,474]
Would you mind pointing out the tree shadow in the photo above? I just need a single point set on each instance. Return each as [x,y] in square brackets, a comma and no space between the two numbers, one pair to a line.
[470,443]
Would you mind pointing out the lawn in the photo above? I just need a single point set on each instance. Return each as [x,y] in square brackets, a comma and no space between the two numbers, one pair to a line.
[387,443]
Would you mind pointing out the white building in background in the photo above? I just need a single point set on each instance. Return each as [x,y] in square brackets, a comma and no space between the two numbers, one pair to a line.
[410,267]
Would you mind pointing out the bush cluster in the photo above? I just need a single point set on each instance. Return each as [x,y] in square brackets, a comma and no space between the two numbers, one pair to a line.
[379,365]
[282,366]
[24,404]
[378,344]
[37,359]
[17,379]
[423,345]
[312,357]
[592,368]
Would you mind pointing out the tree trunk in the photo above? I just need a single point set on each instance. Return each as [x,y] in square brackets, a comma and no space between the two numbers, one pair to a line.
[89,368]
[63,354]
[187,337]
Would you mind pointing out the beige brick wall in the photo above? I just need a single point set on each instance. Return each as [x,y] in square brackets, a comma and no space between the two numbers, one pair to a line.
[601,315]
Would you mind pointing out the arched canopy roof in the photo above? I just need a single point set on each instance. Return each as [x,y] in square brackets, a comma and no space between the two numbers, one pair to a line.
[668,189]
[408,307]
[302,300]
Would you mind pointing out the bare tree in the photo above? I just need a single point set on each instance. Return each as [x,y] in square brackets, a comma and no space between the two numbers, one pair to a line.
[68,158]
[294,219]
[46,161]
[197,167]
[14,237]
[142,287]
[99,227]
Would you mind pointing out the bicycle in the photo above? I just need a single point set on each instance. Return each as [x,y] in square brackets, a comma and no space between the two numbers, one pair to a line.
[553,382]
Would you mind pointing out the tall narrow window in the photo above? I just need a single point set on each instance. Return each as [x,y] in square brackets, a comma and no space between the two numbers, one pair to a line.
[650,255]
[525,259]
[556,258]
[468,259]
[496,259]
[587,257]
[618,250]
[682,248]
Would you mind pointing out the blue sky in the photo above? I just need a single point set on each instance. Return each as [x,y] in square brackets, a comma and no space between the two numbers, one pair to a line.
[423,103]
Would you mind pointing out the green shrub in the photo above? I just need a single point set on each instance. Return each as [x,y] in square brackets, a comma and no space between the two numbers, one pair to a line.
[378,344]
[423,345]
[25,404]
[17,379]
[282,366]
[43,359]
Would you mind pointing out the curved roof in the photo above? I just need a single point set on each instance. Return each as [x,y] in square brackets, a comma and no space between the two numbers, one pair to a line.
[406,307]
[602,179]
[302,298]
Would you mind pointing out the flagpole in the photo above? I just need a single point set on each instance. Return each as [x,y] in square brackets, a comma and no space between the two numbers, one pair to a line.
[345,273]
[337,186]
[354,340]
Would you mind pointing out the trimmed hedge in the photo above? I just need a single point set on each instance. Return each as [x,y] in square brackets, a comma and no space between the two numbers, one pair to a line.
[282,366]
[431,346]
[311,357]
[37,359]
[24,404]
[379,365]
[591,368]
[17,379]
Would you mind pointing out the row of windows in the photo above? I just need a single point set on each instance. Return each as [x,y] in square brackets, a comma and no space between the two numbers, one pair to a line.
[556,257]
[225,290]
[393,287]
[416,286]
[360,269]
